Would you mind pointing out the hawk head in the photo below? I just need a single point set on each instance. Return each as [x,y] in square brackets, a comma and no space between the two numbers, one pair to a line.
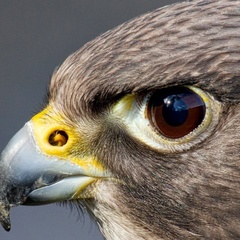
[142,128]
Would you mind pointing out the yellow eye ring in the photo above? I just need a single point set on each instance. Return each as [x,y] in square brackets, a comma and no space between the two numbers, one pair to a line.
[132,109]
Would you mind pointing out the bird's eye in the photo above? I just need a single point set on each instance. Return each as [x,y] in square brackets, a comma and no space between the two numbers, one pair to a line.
[175,112]
[170,120]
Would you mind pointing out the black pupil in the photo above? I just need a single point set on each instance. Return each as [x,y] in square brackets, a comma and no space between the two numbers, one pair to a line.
[176,111]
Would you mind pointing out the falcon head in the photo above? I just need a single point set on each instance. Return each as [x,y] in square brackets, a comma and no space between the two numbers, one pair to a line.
[142,128]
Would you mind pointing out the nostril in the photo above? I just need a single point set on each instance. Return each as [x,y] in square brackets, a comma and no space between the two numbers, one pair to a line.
[58,138]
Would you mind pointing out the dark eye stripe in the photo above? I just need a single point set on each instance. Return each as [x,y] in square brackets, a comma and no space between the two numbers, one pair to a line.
[175,112]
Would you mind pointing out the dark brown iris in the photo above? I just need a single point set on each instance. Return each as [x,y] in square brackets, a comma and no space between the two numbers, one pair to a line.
[176,111]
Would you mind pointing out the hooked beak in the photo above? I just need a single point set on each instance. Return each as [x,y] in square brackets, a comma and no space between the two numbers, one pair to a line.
[28,175]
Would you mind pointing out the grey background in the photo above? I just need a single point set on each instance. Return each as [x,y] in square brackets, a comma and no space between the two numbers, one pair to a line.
[35,37]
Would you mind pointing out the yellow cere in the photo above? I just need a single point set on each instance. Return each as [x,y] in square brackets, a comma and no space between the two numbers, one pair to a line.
[55,137]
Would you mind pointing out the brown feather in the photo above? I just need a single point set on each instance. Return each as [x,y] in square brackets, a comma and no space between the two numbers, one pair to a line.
[194,194]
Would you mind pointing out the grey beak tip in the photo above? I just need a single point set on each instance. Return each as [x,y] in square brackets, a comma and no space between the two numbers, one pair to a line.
[5,216]
[7,227]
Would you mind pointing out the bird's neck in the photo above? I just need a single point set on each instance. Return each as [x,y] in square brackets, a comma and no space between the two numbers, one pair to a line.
[114,226]
[113,219]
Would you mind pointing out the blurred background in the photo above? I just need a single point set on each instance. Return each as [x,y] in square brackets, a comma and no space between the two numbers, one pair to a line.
[35,37]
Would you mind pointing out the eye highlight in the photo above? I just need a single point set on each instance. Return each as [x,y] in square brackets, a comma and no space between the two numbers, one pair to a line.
[175,112]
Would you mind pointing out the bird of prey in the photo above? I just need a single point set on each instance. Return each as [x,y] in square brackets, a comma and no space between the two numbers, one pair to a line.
[142,128]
